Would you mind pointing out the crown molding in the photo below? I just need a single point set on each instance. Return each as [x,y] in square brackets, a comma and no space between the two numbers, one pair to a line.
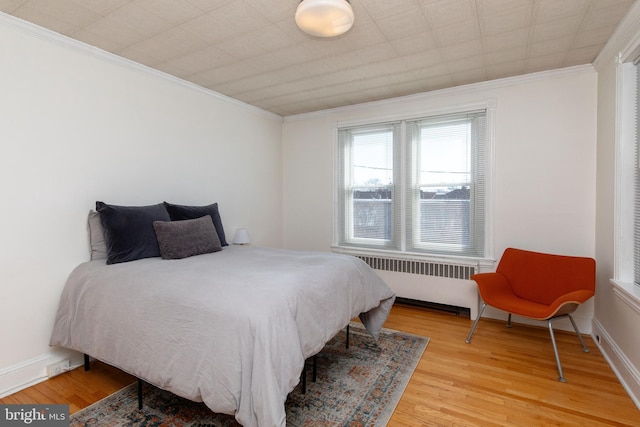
[624,40]
[468,88]
[84,48]
[65,41]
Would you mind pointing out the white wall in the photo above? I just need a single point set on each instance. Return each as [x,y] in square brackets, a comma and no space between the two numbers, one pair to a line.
[78,125]
[545,148]
[616,319]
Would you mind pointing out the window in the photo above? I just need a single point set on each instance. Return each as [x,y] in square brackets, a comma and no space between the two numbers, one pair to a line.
[368,174]
[415,185]
[626,278]
[627,209]
[634,135]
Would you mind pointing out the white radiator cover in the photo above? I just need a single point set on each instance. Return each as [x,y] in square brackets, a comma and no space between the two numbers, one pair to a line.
[441,290]
[429,281]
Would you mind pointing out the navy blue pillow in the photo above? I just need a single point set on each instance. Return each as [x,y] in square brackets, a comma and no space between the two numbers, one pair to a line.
[128,231]
[180,212]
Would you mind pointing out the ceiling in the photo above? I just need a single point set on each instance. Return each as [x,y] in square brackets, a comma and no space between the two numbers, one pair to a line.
[251,50]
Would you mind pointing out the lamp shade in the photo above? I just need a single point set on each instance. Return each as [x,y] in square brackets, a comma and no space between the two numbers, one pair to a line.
[241,237]
[324,18]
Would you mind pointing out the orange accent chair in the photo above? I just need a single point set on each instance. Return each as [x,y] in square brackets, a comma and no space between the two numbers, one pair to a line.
[538,286]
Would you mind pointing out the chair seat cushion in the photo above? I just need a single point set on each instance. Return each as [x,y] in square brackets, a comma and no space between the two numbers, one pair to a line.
[496,291]
[512,304]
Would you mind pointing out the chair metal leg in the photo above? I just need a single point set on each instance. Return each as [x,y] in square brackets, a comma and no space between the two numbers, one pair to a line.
[561,377]
[473,328]
[555,350]
[575,327]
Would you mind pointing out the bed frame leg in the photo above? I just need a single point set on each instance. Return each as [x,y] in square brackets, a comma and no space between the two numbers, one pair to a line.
[140,394]
[314,367]
[314,372]
[304,378]
[87,365]
[347,340]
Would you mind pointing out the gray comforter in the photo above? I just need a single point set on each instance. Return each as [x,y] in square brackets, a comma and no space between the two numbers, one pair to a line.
[232,328]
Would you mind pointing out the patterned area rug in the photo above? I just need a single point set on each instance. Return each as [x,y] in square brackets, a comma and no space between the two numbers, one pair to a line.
[358,386]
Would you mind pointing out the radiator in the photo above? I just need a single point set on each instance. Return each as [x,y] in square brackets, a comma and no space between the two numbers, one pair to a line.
[427,280]
[427,268]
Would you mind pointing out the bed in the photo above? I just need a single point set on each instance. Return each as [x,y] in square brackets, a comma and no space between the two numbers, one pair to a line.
[231,328]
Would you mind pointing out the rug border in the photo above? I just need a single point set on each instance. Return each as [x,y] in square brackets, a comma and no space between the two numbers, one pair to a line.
[121,390]
[361,326]
[385,416]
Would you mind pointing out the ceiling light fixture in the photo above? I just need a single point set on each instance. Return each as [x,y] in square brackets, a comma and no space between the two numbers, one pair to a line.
[324,18]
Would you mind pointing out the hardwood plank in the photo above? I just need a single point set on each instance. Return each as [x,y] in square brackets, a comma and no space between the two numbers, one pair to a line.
[505,377]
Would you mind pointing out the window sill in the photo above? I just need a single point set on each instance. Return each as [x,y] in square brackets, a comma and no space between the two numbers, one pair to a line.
[481,263]
[628,292]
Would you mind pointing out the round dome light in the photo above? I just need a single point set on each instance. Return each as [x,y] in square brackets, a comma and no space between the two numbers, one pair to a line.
[324,18]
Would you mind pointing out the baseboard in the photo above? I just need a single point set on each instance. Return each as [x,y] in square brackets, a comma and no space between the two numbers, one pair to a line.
[33,371]
[627,373]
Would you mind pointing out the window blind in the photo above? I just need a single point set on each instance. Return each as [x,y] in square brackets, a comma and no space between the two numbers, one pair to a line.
[446,184]
[366,195]
[636,218]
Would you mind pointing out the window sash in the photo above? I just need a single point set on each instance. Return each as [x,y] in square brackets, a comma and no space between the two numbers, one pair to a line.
[447,215]
[366,207]
[626,209]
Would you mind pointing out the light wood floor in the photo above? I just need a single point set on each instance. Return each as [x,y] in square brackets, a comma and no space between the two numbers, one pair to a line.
[505,377]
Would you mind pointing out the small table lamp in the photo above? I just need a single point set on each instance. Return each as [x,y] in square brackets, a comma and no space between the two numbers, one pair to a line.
[241,237]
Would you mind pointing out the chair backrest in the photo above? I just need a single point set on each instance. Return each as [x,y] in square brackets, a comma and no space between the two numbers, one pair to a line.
[542,278]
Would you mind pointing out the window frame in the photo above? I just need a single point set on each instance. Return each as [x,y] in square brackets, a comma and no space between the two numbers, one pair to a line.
[413,186]
[401,200]
[626,162]
[347,206]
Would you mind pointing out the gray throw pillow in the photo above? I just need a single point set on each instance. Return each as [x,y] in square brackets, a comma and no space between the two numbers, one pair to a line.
[182,239]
